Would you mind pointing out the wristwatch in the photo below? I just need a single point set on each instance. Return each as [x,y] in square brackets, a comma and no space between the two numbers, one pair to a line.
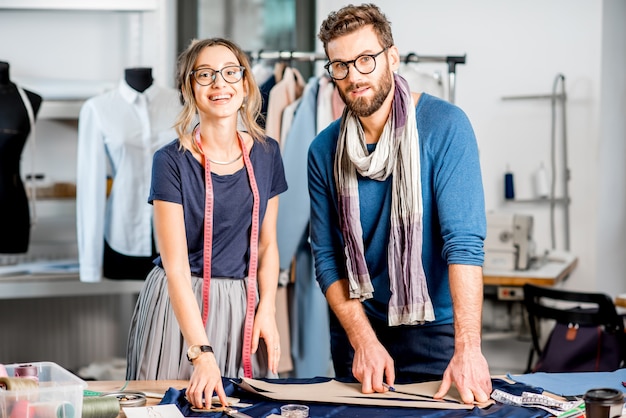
[195,351]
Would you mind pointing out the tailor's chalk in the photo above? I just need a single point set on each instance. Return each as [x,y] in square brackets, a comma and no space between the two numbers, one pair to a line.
[391,388]
[433,399]
[3,371]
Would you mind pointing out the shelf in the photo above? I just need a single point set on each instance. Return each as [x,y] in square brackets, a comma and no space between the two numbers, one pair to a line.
[104,5]
[560,200]
[54,191]
[45,286]
[60,109]
[536,97]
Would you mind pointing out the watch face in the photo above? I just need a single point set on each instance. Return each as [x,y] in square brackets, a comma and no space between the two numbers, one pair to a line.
[194,352]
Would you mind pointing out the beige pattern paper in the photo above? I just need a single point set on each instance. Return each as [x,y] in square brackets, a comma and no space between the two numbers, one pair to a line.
[350,393]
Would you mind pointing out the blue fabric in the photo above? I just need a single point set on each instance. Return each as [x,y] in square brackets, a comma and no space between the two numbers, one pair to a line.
[265,88]
[574,384]
[293,211]
[454,222]
[263,407]
[179,178]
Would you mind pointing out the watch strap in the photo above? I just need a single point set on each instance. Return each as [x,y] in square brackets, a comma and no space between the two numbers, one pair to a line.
[202,348]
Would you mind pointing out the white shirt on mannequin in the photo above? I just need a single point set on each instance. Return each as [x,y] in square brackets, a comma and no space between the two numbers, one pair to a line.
[118,132]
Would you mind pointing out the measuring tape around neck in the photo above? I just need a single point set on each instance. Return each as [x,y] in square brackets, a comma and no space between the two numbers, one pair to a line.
[254,251]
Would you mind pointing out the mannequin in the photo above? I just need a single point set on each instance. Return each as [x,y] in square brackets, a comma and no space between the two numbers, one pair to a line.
[138,78]
[14,130]
[116,265]
[118,131]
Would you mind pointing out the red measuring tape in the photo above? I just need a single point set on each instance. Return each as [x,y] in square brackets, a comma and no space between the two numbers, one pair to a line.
[254,252]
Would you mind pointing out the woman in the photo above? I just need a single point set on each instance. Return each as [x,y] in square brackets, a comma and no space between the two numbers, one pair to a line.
[224,230]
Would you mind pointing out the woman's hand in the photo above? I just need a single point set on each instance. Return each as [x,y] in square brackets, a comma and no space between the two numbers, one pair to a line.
[265,327]
[205,379]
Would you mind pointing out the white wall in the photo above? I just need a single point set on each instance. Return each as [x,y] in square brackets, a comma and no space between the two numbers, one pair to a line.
[611,234]
[517,48]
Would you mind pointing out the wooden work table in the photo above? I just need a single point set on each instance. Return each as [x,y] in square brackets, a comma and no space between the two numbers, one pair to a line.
[149,387]
[620,300]
[557,267]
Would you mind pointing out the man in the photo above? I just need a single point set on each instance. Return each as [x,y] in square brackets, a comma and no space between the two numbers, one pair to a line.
[397,221]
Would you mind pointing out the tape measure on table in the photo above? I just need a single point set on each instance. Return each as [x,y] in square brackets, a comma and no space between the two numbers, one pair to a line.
[535,400]
[254,251]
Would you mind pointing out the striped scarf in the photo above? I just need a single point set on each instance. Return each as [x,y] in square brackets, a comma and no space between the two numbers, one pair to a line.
[396,154]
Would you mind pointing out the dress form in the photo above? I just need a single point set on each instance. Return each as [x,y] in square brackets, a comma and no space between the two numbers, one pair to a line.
[138,78]
[116,265]
[14,130]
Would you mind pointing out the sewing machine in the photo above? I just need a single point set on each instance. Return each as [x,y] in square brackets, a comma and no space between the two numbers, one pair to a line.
[509,245]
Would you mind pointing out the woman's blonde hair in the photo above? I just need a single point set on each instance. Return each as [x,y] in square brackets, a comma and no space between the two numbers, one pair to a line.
[250,110]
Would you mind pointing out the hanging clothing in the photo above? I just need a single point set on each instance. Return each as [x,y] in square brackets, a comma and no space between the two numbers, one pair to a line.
[118,132]
[423,80]
[286,91]
[327,106]
[264,76]
[309,333]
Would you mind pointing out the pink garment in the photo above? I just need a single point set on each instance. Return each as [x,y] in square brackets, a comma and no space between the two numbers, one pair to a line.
[282,94]
[337,104]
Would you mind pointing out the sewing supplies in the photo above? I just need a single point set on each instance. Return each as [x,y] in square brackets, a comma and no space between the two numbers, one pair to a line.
[127,398]
[254,251]
[41,390]
[52,409]
[427,398]
[17,384]
[3,371]
[216,406]
[100,407]
[27,371]
[294,411]
[509,188]
[535,400]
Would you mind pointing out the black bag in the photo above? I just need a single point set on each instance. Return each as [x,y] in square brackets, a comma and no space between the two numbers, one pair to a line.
[580,348]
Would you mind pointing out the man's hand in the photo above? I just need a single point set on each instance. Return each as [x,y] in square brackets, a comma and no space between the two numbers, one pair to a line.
[371,364]
[470,372]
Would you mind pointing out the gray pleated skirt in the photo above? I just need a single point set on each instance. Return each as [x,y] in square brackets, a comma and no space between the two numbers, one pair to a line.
[156,347]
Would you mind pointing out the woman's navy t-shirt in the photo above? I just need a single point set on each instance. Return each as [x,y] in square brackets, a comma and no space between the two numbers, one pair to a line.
[179,178]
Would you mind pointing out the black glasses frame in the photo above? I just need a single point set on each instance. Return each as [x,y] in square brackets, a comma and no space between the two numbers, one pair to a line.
[353,62]
[216,72]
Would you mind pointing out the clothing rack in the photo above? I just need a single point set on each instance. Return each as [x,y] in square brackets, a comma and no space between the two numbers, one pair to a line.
[452,61]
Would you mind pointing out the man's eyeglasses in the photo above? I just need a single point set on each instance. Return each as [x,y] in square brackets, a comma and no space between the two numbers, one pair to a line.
[365,64]
[207,76]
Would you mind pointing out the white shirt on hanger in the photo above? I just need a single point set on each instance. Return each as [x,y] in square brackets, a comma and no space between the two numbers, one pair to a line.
[118,133]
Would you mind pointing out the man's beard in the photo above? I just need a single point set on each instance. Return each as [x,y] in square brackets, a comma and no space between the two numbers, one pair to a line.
[362,106]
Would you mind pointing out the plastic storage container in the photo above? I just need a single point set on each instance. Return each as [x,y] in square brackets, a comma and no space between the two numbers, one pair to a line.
[58,391]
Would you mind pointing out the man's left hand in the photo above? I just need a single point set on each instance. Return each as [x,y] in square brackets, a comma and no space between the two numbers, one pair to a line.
[470,372]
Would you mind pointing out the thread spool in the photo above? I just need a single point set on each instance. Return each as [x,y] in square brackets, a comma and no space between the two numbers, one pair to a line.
[61,409]
[509,188]
[19,409]
[27,371]
[18,384]
[100,407]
